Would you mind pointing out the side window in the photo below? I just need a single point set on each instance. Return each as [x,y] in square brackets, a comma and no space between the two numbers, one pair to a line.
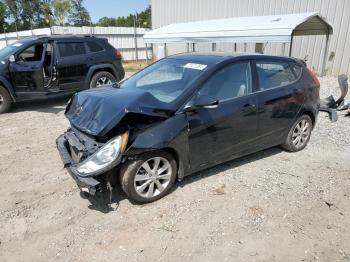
[273,74]
[33,53]
[94,47]
[298,70]
[71,49]
[232,81]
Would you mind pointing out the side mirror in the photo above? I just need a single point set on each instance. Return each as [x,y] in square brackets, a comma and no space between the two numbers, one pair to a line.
[202,101]
[12,59]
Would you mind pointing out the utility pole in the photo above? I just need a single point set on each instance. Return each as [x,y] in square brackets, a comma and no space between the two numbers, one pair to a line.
[135,37]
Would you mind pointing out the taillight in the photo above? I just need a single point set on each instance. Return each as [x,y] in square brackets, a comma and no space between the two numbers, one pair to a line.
[314,78]
[118,54]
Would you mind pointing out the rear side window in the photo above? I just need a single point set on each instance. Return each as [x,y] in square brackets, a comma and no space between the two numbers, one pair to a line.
[273,74]
[298,70]
[94,47]
[71,49]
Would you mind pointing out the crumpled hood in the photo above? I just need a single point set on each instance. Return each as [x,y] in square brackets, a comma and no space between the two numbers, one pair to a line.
[97,111]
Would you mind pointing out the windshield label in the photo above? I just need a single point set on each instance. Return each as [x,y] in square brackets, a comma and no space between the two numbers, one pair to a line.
[17,44]
[195,66]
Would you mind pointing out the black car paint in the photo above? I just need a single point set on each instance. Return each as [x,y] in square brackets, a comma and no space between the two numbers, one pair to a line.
[237,127]
[24,80]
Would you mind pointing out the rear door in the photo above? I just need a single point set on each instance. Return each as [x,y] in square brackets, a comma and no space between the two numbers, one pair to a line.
[72,64]
[27,70]
[280,99]
[217,134]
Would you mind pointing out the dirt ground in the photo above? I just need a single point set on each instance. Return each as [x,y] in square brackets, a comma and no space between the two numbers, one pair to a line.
[269,206]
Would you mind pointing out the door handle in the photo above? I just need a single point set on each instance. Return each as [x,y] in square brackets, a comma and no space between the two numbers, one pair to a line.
[248,108]
[89,59]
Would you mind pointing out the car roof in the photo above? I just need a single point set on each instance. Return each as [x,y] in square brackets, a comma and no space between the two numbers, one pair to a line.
[55,37]
[217,57]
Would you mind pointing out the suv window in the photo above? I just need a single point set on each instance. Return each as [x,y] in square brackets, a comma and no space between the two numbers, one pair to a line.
[94,47]
[274,74]
[33,53]
[71,49]
[232,81]
[298,70]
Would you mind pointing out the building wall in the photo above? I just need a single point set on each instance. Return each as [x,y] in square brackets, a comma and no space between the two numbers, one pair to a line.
[337,13]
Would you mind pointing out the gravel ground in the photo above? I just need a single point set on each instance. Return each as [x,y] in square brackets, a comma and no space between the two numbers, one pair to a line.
[269,206]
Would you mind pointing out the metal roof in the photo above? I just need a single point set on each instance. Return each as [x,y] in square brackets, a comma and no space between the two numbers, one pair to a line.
[256,29]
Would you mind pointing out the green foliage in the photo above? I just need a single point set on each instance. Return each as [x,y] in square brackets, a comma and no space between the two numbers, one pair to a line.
[27,14]
[79,16]
[143,19]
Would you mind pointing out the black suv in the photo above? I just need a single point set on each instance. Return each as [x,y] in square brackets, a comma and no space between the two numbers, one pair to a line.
[50,66]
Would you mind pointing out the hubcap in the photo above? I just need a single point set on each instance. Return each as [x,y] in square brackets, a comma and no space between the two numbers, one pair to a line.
[103,81]
[153,177]
[301,133]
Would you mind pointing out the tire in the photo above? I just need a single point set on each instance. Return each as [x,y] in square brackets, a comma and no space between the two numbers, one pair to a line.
[5,100]
[102,78]
[301,128]
[151,191]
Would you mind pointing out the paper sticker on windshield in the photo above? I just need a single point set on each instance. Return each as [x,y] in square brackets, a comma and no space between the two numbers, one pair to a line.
[17,44]
[195,66]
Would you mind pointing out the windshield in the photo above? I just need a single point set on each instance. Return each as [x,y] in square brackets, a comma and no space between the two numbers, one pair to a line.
[9,50]
[166,79]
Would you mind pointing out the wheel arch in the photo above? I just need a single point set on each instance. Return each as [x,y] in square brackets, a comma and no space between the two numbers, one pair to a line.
[99,68]
[311,114]
[8,86]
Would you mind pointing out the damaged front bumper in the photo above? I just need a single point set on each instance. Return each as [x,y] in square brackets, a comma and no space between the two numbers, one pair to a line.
[87,184]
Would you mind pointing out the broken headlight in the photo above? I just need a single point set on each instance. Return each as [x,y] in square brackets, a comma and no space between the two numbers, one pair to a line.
[105,157]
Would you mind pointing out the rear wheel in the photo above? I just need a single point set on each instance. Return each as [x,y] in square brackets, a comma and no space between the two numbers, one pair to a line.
[149,177]
[299,135]
[5,100]
[101,79]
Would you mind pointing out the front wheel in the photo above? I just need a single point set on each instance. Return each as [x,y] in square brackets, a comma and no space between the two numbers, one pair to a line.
[5,100]
[149,177]
[102,78]
[299,135]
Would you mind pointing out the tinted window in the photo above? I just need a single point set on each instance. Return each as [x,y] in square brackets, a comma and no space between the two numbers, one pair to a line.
[32,54]
[94,47]
[274,74]
[298,69]
[232,81]
[71,49]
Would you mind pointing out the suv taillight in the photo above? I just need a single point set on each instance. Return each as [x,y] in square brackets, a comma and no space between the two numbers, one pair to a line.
[314,78]
[118,54]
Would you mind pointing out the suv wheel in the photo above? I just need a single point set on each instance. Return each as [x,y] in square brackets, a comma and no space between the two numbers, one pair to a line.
[5,100]
[299,135]
[149,177]
[101,79]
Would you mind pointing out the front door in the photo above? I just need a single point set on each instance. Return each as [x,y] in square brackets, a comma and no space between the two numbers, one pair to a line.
[218,134]
[279,101]
[72,65]
[27,70]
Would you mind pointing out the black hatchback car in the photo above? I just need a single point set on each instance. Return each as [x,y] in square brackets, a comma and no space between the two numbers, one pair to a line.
[44,67]
[183,114]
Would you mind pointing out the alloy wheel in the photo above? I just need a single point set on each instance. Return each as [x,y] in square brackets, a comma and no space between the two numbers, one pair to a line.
[301,133]
[103,81]
[153,177]
[1,100]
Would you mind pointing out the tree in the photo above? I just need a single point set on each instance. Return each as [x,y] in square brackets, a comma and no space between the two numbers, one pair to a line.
[14,12]
[61,10]
[79,16]
[3,16]
[106,21]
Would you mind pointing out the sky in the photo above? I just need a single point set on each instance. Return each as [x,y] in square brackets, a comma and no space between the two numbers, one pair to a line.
[114,8]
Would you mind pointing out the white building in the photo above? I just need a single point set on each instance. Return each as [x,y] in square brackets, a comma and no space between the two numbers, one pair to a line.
[336,12]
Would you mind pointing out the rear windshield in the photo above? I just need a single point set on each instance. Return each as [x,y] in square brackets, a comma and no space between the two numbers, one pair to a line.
[166,79]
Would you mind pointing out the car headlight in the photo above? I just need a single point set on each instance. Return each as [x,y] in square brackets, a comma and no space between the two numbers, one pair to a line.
[106,156]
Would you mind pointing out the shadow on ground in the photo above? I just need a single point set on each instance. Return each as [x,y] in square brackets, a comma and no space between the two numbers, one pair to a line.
[100,202]
[53,106]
